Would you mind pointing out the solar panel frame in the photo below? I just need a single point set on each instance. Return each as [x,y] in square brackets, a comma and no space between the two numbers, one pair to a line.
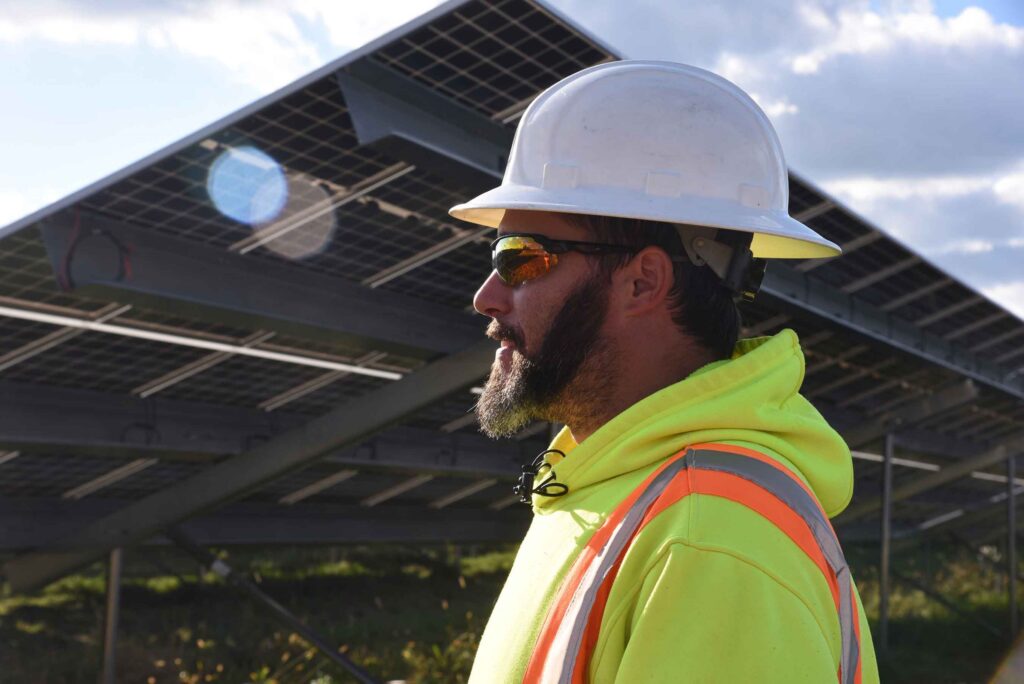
[491,57]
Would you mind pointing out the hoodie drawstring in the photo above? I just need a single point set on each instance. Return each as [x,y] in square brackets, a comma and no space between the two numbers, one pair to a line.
[548,487]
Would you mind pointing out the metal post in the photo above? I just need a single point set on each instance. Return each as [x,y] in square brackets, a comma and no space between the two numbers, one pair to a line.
[114,567]
[884,570]
[1011,546]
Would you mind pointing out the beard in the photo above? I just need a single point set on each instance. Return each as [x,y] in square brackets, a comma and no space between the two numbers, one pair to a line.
[562,380]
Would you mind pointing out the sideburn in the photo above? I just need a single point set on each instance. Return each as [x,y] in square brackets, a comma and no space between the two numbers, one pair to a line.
[573,337]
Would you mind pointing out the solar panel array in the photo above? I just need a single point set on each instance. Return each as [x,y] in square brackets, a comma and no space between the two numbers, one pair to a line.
[377,212]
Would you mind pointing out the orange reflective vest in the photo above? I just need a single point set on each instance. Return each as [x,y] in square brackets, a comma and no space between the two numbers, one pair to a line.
[570,631]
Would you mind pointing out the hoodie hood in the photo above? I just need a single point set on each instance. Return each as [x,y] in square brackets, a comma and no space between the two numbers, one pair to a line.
[752,398]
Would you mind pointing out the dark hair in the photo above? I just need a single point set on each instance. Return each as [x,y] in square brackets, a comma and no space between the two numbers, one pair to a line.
[702,306]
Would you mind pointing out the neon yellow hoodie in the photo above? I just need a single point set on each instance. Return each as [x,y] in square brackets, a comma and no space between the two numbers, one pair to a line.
[710,591]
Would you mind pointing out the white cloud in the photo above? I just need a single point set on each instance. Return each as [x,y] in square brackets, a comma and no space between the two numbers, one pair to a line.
[856,32]
[775,108]
[972,246]
[262,43]
[258,42]
[872,191]
[349,27]
[14,204]
[869,189]
[1010,189]
[65,23]
[1009,294]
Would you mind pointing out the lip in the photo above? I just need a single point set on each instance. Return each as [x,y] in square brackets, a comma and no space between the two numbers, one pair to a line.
[504,353]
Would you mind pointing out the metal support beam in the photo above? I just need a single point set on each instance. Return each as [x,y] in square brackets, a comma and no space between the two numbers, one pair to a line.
[904,462]
[465,492]
[397,490]
[931,467]
[886,550]
[109,478]
[460,238]
[764,326]
[409,121]
[954,422]
[935,317]
[851,377]
[504,502]
[986,513]
[198,366]
[815,211]
[278,611]
[318,486]
[919,409]
[880,274]
[289,395]
[827,361]
[24,522]
[1011,541]
[977,325]
[346,426]
[952,472]
[194,341]
[181,277]
[880,387]
[460,422]
[914,295]
[44,419]
[1017,331]
[791,290]
[847,247]
[1012,354]
[985,426]
[57,337]
[112,616]
[39,418]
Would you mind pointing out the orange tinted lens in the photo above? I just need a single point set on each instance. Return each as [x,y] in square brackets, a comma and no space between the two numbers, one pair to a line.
[518,259]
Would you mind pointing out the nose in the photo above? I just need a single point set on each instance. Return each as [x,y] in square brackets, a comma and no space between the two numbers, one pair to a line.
[493,298]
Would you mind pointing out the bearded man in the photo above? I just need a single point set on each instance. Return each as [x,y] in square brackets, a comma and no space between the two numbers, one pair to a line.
[680,529]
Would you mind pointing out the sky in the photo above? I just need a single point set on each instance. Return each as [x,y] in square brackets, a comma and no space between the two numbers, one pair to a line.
[907,111]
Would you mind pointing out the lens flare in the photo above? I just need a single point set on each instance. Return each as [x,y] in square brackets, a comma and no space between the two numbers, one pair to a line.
[306,224]
[246,184]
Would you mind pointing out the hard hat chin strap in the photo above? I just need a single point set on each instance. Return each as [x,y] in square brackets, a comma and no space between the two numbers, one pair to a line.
[727,253]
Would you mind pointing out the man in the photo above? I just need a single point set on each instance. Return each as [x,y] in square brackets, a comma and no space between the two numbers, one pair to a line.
[680,530]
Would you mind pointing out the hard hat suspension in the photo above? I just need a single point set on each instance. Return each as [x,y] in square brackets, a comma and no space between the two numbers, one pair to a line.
[727,253]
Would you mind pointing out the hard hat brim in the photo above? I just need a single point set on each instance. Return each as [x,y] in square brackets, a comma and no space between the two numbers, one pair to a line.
[776,234]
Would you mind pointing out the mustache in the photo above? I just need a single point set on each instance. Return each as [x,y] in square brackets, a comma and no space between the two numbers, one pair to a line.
[498,332]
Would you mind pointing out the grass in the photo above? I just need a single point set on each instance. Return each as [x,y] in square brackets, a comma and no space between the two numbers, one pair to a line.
[398,612]
[412,614]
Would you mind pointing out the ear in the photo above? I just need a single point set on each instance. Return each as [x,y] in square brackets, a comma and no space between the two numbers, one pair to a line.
[644,283]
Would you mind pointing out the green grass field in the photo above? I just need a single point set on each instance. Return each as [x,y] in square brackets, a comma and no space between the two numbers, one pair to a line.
[413,614]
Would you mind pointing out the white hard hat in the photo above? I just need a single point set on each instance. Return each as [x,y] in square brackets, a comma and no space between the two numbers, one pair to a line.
[652,140]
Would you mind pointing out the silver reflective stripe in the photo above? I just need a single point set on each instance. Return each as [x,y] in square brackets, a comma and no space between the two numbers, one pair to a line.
[574,622]
[788,490]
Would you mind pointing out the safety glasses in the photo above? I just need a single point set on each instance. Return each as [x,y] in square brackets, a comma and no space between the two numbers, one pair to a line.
[519,257]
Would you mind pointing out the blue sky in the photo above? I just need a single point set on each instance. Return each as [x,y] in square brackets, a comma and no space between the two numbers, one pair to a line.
[907,110]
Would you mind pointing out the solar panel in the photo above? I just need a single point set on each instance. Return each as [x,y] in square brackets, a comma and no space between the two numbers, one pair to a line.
[355,211]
